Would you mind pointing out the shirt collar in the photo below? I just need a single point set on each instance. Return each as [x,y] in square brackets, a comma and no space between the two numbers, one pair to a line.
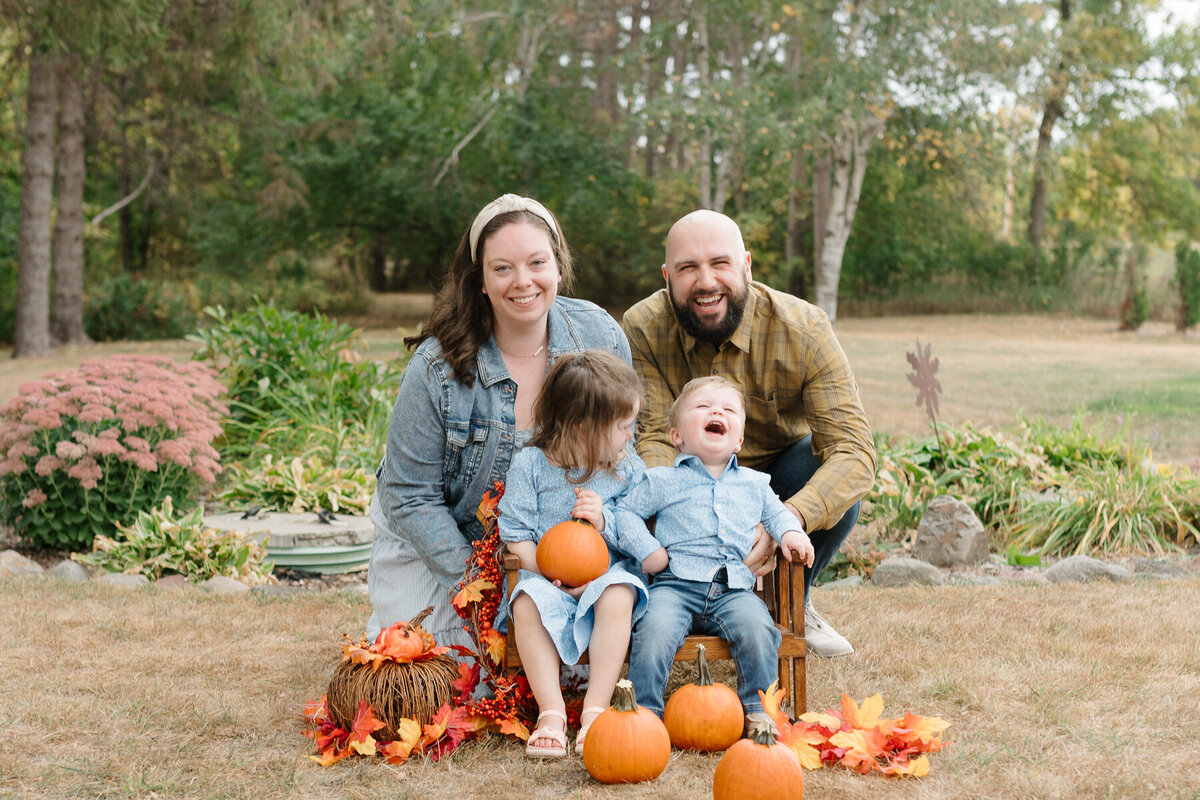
[740,338]
[694,463]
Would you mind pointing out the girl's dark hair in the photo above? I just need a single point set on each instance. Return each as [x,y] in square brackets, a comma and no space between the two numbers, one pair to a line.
[584,395]
[461,318]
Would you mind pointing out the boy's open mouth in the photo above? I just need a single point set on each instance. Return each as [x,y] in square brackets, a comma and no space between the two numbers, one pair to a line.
[716,426]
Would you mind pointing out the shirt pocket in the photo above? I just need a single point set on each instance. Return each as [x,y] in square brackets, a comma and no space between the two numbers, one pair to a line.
[465,445]
[762,422]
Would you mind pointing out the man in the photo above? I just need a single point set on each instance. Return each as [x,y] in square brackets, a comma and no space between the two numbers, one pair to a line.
[805,424]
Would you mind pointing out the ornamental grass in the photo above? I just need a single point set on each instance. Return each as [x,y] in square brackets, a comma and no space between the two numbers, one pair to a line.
[86,449]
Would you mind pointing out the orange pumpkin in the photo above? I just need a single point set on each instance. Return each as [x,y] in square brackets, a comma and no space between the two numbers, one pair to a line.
[703,715]
[627,743]
[758,768]
[405,641]
[572,552]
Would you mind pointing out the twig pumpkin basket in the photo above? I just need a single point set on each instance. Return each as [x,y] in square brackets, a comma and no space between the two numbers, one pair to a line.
[403,675]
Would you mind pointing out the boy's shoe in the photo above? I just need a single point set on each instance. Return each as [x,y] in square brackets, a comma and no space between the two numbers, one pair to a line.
[820,637]
[759,718]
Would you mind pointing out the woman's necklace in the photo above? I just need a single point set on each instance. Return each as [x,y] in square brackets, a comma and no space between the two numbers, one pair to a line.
[534,354]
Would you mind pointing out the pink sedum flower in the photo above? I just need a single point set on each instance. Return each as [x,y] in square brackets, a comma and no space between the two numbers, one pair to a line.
[35,498]
[47,464]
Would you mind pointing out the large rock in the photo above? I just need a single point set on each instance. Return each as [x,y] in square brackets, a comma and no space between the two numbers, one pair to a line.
[123,581]
[13,563]
[1159,568]
[1081,569]
[950,534]
[70,571]
[902,571]
[221,584]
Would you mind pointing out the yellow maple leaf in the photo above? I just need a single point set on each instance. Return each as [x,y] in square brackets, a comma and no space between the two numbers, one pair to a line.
[865,716]
[494,644]
[364,746]
[408,732]
[862,748]
[772,699]
[924,731]
[472,593]
[803,739]
[331,756]
[916,768]
[827,721]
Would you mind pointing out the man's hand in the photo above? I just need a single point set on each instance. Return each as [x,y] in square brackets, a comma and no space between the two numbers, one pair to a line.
[589,507]
[761,560]
[656,562]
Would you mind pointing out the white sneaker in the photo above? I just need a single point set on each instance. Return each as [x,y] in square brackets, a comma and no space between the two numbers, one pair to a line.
[820,637]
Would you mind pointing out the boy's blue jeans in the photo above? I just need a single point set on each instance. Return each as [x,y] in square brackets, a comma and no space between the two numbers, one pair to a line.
[677,608]
[789,472]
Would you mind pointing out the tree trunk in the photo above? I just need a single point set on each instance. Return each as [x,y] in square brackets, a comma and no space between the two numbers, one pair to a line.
[794,237]
[850,148]
[66,312]
[1051,113]
[704,162]
[822,190]
[32,335]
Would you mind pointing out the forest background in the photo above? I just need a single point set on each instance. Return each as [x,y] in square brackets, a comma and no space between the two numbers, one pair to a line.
[158,156]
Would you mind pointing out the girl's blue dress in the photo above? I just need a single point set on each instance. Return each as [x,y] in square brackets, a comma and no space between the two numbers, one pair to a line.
[537,496]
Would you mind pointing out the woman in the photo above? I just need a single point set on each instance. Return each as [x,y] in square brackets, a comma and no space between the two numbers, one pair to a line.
[465,404]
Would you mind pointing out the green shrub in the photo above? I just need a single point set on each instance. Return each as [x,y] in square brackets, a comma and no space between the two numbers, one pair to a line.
[1113,508]
[124,307]
[1048,489]
[160,543]
[88,448]
[299,386]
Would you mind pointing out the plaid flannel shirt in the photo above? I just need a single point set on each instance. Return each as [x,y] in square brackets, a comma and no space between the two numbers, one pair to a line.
[796,380]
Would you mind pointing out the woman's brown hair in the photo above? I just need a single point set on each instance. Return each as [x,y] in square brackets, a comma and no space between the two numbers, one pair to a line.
[583,396]
[461,318]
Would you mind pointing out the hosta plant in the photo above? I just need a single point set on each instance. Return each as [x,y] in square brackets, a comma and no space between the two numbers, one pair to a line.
[297,486]
[161,542]
[84,449]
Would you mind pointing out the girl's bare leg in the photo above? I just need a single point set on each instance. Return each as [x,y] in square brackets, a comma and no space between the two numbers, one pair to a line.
[608,647]
[542,664]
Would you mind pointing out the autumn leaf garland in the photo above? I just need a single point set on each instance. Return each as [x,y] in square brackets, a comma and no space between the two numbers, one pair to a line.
[858,737]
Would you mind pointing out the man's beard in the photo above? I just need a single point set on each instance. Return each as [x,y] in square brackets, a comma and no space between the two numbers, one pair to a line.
[713,334]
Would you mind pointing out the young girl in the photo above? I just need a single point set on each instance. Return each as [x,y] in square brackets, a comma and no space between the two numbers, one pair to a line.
[578,458]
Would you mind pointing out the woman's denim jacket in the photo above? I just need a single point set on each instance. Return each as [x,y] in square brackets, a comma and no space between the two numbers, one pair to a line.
[447,443]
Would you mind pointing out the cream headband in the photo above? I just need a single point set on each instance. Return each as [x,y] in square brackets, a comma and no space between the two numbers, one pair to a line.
[504,204]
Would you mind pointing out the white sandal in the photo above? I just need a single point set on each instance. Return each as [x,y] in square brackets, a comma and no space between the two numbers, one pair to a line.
[559,737]
[583,727]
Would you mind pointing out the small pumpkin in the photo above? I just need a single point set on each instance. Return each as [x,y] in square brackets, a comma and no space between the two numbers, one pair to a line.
[704,715]
[405,641]
[572,552]
[626,743]
[759,768]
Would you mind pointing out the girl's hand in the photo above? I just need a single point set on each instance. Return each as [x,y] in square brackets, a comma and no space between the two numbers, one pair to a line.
[589,507]
[576,592]
[798,543]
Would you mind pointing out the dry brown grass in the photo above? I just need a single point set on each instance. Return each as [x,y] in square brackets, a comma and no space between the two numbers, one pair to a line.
[1052,691]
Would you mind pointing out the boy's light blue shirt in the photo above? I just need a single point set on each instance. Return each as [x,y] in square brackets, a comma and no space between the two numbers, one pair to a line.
[705,523]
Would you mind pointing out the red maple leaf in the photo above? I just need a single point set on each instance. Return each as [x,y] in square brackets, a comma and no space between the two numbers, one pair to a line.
[468,679]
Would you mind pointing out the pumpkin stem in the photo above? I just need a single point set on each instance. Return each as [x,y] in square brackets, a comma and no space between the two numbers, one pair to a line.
[703,678]
[624,697]
[760,733]
[416,621]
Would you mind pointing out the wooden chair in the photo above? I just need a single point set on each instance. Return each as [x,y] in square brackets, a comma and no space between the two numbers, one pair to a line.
[782,591]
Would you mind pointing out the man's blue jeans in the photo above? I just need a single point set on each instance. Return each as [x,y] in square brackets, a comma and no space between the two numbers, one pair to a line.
[789,472]
[677,608]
